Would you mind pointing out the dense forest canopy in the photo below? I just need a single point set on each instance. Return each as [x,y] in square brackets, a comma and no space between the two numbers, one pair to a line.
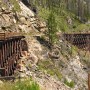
[80,8]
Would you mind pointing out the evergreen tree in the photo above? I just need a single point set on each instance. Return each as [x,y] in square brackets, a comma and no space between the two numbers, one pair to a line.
[52,28]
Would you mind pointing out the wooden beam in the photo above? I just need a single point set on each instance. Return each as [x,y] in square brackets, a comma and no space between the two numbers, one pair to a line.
[8,78]
[2,71]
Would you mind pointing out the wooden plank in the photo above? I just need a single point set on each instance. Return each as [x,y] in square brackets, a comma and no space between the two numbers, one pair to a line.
[7,78]
[7,35]
[11,78]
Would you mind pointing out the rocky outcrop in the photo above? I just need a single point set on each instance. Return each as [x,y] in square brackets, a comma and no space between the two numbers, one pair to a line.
[50,83]
[23,21]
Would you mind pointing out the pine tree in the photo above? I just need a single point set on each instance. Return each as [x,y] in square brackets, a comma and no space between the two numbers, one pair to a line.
[52,28]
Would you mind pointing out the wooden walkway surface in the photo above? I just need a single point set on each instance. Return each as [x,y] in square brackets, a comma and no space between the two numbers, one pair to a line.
[10,35]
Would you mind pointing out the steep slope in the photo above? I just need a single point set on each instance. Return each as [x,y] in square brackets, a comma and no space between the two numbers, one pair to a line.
[26,23]
[65,68]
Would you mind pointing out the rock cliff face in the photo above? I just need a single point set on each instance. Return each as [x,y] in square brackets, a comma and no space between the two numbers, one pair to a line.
[57,70]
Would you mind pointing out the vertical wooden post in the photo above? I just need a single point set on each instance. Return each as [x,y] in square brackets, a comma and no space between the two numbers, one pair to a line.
[8,57]
[13,56]
[16,50]
[12,59]
[71,41]
[12,47]
[9,49]
[87,43]
[3,58]
[89,81]
[5,52]
[0,55]
[20,47]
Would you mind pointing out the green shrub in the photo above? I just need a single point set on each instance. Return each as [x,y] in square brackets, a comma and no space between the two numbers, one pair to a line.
[52,28]
[70,84]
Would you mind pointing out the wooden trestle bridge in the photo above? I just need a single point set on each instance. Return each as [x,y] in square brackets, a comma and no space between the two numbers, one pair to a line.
[82,41]
[11,47]
[10,52]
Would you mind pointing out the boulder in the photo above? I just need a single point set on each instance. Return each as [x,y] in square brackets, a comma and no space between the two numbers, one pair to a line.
[6,18]
[33,57]
[25,11]
[22,19]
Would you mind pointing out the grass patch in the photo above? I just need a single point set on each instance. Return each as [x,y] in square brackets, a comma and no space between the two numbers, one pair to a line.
[70,84]
[82,27]
[20,85]
[13,3]
[16,5]
[50,68]
[74,50]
